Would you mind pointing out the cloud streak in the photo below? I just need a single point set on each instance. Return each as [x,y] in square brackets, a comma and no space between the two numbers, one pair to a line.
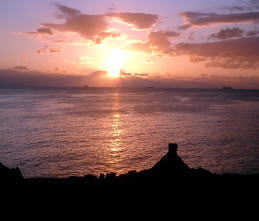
[35,79]
[227,33]
[66,12]
[249,5]
[195,19]
[138,20]
[49,50]
[20,68]
[40,31]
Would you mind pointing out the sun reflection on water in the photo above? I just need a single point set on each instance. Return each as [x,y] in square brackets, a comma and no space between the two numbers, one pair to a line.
[116,133]
[115,146]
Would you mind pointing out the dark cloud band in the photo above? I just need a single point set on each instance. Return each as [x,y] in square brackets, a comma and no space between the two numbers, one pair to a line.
[194,19]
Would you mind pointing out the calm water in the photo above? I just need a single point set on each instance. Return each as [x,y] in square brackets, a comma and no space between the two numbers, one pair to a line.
[61,133]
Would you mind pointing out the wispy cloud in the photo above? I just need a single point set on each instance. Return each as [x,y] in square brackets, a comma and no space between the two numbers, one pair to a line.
[227,33]
[138,20]
[196,19]
[49,50]
[41,31]
[20,68]
[249,5]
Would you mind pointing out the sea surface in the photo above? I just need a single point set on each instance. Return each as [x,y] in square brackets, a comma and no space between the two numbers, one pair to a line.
[74,132]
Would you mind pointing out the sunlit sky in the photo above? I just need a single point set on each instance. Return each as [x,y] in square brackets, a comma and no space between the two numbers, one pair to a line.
[166,43]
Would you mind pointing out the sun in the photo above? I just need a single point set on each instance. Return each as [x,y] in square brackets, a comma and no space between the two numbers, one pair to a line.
[114,63]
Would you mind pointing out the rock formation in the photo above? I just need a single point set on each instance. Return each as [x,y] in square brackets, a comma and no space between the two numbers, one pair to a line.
[170,169]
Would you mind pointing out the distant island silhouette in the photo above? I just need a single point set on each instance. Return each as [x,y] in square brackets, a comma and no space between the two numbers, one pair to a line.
[226,88]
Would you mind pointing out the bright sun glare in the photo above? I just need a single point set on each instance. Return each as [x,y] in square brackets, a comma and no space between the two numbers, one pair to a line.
[115,62]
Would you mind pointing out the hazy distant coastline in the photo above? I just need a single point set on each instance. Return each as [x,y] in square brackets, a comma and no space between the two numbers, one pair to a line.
[116,88]
[38,80]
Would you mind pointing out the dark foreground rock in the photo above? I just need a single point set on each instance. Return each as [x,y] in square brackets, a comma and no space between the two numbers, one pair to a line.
[170,172]
[10,175]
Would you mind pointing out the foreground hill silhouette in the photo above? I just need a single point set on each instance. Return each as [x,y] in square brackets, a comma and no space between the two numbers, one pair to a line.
[167,173]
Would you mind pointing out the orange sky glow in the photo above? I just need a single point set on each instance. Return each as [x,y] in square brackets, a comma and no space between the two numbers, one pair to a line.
[181,46]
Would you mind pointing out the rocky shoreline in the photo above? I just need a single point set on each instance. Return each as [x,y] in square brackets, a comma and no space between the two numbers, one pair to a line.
[169,171]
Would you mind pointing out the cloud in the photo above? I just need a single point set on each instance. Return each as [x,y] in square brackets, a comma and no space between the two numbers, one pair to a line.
[94,28]
[149,61]
[66,12]
[142,74]
[20,68]
[249,5]
[36,79]
[46,31]
[133,75]
[235,48]
[49,50]
[138,20]
[71,42]
[232,54]
[227,33]
[91,27]
[158,43]
[191,36]
[10,78]
[252,33]
[195,19]
[40,31]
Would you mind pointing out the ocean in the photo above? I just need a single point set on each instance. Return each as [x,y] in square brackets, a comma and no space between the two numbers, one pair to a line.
[74,132]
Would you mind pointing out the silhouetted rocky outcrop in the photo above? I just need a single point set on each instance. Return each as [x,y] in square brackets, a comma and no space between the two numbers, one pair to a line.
[171,169]
[10,175]
[171,164]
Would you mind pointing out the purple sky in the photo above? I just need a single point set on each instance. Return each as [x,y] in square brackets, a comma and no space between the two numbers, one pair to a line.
[168,43]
